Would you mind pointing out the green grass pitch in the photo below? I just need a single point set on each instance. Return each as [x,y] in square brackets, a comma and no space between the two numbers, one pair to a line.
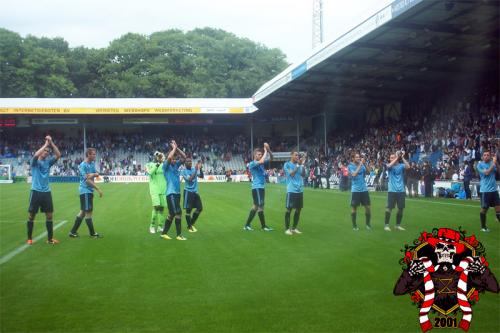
[221,279]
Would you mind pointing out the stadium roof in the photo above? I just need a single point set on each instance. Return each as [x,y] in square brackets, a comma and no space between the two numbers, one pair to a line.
[407,49]
[127,106]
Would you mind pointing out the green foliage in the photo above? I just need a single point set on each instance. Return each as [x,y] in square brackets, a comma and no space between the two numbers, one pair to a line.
[200,63]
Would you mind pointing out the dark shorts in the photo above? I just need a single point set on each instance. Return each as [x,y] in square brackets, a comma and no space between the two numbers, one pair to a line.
[360,198]
[174,204]
[87,202]
[294,200]
[40,200]
[258,195]
[192,200]
[394,198]
[490,199]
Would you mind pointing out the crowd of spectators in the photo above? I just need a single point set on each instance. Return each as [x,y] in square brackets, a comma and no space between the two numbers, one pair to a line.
[439,144]
[442,141]
[120,153]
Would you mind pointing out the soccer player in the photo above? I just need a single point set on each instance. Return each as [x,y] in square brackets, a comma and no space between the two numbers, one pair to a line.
[396,193]
[191,197]
[258,180]
[157,188]
[87,186]
[359,195]
[294,171]
[172,175]
[489,194]
[40,196]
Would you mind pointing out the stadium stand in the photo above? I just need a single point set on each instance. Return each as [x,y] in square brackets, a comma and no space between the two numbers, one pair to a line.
[446,137]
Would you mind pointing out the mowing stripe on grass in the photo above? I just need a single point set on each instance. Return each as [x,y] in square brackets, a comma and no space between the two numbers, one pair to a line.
[21,248]
[414,200]
[444,203]
[12,221]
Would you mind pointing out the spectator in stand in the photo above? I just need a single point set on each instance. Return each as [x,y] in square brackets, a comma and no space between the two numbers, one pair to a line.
[328,174]
[344,180]
[412,180]
[428,179]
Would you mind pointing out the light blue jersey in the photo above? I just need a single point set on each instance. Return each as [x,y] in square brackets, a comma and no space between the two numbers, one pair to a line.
[86,168]
[40,173]
[396,178]
[487,183]
[294,184]
[172,175]
[358,183]
[190,186]
[258,174]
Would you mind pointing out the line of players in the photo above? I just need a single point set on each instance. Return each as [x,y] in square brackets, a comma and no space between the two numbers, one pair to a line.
[169,176]
[165,190]
[164,179]
[396,192]
[41,195]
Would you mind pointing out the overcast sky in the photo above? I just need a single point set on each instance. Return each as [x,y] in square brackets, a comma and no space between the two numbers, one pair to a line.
[285,24]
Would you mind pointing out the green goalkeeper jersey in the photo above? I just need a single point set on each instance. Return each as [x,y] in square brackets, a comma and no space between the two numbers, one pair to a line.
[157,183]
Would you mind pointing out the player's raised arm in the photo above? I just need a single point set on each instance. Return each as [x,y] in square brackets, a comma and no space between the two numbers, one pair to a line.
[40,151]
[171,154]
[199,169]
[407,165]
[302,160]
[361,163]
[56,151]
[157,161]
[394,160]
[264,156]
[291,168]
[180,152]
[367,166]
[488,170]
[195,173]
[268,149]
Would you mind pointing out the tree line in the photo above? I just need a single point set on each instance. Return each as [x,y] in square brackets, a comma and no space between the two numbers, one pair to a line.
[203,62]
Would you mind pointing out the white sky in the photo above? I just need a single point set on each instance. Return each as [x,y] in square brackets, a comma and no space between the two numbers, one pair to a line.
[285,24]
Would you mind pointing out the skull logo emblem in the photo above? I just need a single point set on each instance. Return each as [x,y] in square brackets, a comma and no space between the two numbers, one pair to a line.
[445,252]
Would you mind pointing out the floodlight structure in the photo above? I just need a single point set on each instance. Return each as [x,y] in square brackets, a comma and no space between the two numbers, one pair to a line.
[317,26]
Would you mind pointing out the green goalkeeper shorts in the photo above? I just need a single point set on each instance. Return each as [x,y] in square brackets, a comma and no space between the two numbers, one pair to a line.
[158,200]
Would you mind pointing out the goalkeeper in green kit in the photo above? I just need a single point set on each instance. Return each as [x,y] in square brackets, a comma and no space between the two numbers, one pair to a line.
[157,189]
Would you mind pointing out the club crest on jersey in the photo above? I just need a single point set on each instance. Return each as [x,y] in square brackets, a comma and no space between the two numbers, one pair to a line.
[444,272]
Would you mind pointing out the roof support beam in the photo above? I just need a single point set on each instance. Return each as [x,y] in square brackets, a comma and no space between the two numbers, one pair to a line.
[477,53]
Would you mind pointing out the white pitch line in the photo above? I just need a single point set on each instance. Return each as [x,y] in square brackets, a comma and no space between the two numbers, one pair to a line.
[21,248]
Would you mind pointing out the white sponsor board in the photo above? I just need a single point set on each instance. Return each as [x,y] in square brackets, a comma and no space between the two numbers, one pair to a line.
[273,179]
[145,179]
[123,179]
[223,178]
